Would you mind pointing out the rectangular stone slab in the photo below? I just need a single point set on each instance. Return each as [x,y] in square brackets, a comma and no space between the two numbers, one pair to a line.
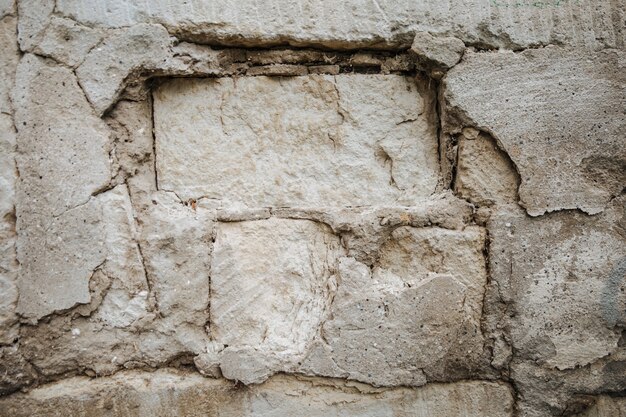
[319,140]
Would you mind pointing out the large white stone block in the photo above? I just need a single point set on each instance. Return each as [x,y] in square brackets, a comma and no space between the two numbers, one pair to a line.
[347,140]
[271,283]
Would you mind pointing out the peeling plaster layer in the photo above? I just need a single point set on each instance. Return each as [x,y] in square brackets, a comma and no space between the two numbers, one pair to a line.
[59,141]
[557,113]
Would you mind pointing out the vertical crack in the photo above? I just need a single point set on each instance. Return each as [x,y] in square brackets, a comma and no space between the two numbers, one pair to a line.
[154,153]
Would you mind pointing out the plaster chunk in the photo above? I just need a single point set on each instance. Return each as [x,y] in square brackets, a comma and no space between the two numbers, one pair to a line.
[190,395]
[58,262]
[485,175]
[176,242]
[437,53]
[563,276]
[59,139]
[348,140]
[414,314]
[569,148]
[271,283]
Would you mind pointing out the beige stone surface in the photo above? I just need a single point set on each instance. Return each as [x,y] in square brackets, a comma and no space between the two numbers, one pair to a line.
[8,176]
[10,57]
[66,41]
[349,140]
[62,261]
[105,69]
[484,174]
[415,315]
[362,23]
[367,208]
[59,139]
[34,17]
[555,112]
[176,393]
[262,295]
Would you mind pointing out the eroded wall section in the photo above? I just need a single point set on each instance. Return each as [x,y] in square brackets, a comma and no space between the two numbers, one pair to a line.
[305,208]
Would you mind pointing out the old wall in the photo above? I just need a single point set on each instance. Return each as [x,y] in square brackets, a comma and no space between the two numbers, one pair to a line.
[367,208]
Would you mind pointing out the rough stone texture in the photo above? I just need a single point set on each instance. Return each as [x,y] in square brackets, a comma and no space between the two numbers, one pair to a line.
[568,145]
[67,42]
[7,7]
[8,64]
[141,48]
[262,295]
[415,315]
[349,140]
[360,23]
[563,279]
[59,140]
[484,174]
[34,17]
[345,228]
[606,407]
[8,177]
[184,394]
[437,53]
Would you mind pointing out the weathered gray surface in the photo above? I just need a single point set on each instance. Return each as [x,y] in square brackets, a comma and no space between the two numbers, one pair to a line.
[105,68]
[414,316]
[353,140]
[558,268]
[59,140]
[562,278]
[68,42]
[556,113]
[34,18]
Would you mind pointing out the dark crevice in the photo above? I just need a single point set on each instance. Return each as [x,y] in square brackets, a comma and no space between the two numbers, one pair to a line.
[154,153]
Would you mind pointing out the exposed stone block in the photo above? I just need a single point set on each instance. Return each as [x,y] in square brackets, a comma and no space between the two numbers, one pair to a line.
[271,285]
[358,24]
[348,140]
